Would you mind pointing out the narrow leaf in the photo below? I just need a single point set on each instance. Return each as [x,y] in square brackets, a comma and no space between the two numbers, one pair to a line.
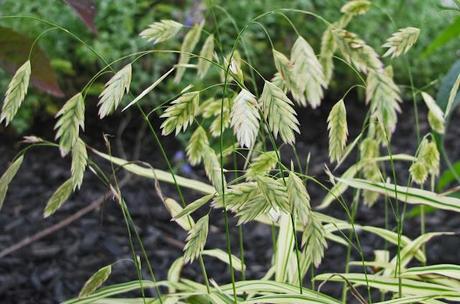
[58,198]
[95,281]
[8,176]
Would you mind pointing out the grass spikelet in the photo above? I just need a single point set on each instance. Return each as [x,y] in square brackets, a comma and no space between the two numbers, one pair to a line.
[221,118]
[383,94]
[338,131]
[59,197]
[181,113]
[213,169]
[356,51]
[356,7]
[245,118]
[71,119]
[237,195]
[285,70]
[197,145]
[328,47]
[95,281]
[429,155]
[79,162]
[400,42]
[262,165]
[308,73]
[196,239]
[278,111]
[8,176]
[274,192]
[17,90]
[435,114]
[188,45]
[314,240]
[161,31]
[418,172]
[114,91]
[298,197]
[206,55]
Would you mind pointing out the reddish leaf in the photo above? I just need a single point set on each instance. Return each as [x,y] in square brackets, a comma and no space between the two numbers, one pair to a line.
[14,51]
[86,10]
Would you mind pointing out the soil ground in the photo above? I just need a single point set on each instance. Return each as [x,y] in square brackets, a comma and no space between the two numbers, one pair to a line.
[54,268]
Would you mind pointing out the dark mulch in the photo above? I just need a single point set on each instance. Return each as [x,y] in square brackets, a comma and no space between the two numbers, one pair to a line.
[55,267]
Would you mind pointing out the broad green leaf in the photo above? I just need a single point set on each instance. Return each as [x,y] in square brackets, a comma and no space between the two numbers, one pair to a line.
[14,51]
[58,198]
[95,281]
[8,176]
[449,33]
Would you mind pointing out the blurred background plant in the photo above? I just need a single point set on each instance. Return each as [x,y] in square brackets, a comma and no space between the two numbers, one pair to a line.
[117,25]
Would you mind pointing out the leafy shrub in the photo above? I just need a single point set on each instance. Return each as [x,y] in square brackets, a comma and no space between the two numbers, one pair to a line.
[225,99]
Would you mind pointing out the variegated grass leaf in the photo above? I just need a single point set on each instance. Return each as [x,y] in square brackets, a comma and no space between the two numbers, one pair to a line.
[71,118]
[400,42]
[338,131]
[188,45]
[16,92]
[212,167]
[262,164]
[298,198]
[79,162]
[274,191]
[356,7]
[59,197]
[196,239]
[114,91]
[193,206]
[245,118]
[206,55]
[8,176]
[197,145]
[383,94]
[278,111]
[308,73]
[369,150]
[435,114]
[328,47]
[314,240]
[174,209]
[149,89]
[180,114]
[161,31]
[95,281]
[356,51]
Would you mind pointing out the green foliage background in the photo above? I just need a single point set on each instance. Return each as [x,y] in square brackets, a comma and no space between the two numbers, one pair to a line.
[119,22]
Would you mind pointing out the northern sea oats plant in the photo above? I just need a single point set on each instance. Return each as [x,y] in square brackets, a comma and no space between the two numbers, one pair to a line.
[245,123]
